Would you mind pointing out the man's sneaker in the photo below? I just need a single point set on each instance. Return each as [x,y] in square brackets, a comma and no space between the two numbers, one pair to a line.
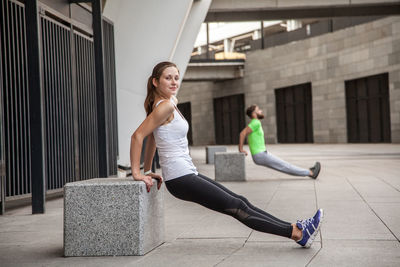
[310,228]
[315,170]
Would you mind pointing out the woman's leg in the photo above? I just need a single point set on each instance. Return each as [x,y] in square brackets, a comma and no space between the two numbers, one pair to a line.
[241,197]
[273,162]
[216,197]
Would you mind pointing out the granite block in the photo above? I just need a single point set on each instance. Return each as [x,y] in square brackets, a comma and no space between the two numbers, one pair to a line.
[112,216]
[210,151]
[230,166]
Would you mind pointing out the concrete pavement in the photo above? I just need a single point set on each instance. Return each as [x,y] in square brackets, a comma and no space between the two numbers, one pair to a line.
[359,189]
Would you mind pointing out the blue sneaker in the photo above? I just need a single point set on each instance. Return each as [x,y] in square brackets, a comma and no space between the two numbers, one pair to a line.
[310,228]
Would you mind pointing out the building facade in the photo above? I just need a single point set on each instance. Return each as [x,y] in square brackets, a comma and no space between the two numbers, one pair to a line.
[347,82]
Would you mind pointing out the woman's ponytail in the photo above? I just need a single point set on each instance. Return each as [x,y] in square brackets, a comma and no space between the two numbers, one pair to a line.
[149,101]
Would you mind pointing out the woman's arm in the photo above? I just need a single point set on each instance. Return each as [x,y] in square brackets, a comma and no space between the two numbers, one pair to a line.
[155,119]
[149,152]
[246,131]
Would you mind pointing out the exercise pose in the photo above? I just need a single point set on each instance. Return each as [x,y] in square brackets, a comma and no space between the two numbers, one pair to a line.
[260,156]
[166,128]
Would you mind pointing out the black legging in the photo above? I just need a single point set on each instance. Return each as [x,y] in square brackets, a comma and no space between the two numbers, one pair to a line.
[210,194]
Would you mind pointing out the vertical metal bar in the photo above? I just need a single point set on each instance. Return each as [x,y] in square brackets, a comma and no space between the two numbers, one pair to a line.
[75,108]
[45,73]
[106,90]
[90,92]
[57,121]
[2,150]
[7,87]
[115,119]
[86,97]
[13,177]
[22,102]
[95,134]
[24,151]
[84,106]
[15,90]
[61,120]
[26,108]
[20,138]
[36,109]
[102,121]
[71,124]
[79,101]
[91,113]
[80,104]
[82,109]
[66,108]
[50,103]
[62,125]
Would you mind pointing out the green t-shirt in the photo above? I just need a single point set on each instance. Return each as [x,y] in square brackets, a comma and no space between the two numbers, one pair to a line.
[256,137]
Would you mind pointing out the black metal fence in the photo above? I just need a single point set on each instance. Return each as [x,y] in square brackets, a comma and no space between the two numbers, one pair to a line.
[86,107]
[69,106]
[15,99]
[58,103]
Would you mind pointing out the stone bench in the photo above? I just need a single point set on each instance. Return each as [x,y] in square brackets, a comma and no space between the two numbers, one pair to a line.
[112,216]
[210,151]
[230,166]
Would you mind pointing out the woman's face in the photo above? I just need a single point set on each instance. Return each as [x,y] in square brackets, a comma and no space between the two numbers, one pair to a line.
[168,83]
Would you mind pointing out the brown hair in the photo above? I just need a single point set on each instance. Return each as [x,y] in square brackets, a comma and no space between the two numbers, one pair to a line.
[250,110]
[151,89]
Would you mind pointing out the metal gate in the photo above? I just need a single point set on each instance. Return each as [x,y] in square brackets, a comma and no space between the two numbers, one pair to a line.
[294,114]
[58,103]
[86,107]
[368,112]
[228,119]
[69,101]
[15,100]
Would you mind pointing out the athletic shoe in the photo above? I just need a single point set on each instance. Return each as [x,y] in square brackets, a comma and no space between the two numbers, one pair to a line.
[315,170]
[310,228]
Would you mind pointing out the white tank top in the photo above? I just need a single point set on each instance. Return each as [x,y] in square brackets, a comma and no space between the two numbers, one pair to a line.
[172,145]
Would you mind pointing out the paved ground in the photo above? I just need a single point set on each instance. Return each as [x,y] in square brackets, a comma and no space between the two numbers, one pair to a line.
[359,188]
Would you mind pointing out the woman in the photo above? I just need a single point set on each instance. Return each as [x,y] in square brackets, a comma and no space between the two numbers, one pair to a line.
[166,127]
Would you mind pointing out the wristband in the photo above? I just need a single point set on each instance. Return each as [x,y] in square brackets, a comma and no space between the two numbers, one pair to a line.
[147,172]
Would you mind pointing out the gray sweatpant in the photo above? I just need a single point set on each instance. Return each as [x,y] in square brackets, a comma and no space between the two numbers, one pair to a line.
[268,160]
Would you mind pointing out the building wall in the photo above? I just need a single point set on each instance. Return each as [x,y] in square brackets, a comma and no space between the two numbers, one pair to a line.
[146,33]
[200,95]
[326,61]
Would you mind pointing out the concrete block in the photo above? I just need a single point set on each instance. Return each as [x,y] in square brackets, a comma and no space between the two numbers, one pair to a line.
[230,166]
[210,151]
[112,216]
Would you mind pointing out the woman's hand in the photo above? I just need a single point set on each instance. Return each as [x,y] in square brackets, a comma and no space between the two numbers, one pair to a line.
[148,180]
